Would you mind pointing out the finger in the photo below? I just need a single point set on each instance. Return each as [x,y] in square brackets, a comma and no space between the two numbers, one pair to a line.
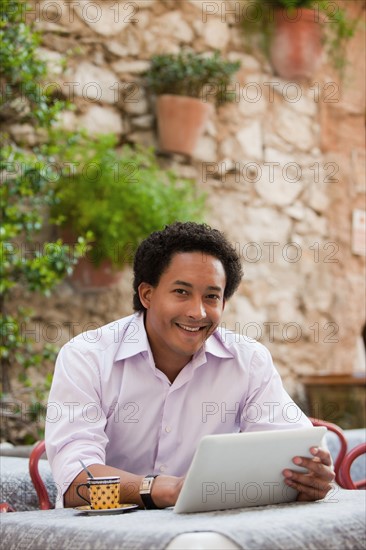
[308,480]
[323,454]
[319,455]
[309,492]
[316,466]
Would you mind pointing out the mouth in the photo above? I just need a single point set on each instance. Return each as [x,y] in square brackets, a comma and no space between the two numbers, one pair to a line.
[188,328]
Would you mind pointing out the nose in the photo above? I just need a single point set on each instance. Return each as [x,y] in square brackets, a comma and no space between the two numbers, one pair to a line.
[196,309]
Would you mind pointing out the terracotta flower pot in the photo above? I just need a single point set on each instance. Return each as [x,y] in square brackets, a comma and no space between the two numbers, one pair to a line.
[87,274]
[296,45]
[181,122]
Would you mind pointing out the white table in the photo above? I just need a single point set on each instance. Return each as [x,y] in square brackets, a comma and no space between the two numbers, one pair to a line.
[337,522]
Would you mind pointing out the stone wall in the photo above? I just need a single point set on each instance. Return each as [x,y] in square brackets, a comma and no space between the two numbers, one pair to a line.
[283,166]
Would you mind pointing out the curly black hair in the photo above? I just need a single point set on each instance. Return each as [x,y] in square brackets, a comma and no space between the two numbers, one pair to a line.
[154,254]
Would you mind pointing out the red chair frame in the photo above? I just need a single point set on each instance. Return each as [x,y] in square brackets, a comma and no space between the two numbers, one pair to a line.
[5,507]
[43,498]
[343,450]
[346,467]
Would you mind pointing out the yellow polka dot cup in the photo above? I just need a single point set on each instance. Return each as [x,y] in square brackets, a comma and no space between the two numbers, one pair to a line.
[103,492]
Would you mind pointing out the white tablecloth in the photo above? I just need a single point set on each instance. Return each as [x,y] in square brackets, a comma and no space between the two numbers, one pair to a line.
[338,522]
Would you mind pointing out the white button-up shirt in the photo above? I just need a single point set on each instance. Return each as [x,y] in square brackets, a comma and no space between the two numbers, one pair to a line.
[109,404]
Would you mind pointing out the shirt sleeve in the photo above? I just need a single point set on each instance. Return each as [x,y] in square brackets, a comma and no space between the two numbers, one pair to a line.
[267,405]
[75,421]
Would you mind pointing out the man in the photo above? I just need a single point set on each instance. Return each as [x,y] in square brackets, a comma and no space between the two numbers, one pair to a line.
[135,397]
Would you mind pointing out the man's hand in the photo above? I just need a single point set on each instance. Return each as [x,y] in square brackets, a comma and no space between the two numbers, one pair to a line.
[317,481]
[165,490]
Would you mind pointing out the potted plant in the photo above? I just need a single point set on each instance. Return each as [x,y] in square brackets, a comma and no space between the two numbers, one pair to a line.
[187,84]
[295,32]
[115,199]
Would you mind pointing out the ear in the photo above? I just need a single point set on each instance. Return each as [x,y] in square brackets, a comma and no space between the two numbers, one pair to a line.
[145,291]
[223,304]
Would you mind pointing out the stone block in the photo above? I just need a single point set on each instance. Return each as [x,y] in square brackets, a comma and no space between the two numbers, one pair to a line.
[266,224]
[106,18]
[145,4]
[295,211]
[157,43]
[130,67]
[135,102]
[216,34]
[68,120]
[92,83]
[172,25]
[24,134]
[248,62]
[102,120]
[248,313]
[250,140]
[206,149]
[312,224]
[317,197]
[301,101]
[53,60]
[230,148]
[116,48]
[281,179]
[318,289]
[144,121]
[295,128]
[252,103]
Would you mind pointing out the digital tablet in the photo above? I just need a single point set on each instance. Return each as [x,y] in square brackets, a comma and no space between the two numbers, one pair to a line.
[244,469]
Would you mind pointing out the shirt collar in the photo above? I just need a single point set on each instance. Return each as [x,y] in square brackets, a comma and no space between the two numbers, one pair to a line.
[215,345]
[134,340]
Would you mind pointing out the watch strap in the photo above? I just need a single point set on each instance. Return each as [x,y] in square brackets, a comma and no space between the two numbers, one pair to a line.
[145,492]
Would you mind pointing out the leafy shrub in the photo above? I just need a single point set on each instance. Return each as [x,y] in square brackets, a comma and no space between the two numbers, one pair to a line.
[28,264]
[191,74]
[120,197]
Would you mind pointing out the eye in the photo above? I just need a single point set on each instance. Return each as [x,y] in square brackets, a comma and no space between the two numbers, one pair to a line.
[181,291]
[213,297]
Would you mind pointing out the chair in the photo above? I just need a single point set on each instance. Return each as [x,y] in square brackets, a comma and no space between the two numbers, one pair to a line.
[346,467]
[43,498]
[5,507]
[343,450]
[40,488]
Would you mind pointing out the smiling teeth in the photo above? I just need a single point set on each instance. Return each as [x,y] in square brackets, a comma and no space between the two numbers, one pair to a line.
[190,329]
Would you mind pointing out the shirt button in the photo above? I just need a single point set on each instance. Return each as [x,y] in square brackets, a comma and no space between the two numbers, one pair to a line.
[162,468]
[168,429]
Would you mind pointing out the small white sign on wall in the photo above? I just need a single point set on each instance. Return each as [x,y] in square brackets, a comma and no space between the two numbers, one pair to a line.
[359,232]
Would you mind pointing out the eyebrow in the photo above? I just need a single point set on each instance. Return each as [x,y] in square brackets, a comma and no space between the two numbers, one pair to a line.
[188,285]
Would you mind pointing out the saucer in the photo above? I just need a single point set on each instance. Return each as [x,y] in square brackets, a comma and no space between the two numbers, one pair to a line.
[90,511]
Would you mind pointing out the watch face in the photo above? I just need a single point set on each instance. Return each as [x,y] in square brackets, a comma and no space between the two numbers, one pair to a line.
[146,484]
[145,490]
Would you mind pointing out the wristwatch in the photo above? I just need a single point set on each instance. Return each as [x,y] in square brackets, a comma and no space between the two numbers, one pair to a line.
[145,492]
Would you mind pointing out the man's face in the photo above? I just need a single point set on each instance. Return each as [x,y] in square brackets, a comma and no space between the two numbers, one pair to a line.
[184,309]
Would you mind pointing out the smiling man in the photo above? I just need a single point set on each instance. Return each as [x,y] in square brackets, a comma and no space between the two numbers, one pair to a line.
[135,397]
[184,309]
